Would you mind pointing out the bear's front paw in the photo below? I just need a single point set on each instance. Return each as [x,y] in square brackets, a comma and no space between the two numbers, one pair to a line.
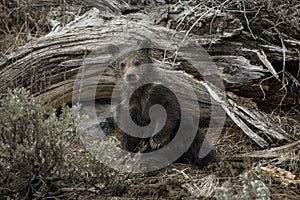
[154,145]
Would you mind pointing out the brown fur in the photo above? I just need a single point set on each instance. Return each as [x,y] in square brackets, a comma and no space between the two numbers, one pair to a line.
[131,68]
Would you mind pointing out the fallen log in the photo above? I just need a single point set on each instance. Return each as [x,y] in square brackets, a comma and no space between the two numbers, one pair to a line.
[51,66]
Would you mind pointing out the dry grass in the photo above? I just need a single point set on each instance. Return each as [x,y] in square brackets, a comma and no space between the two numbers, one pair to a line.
[23,20]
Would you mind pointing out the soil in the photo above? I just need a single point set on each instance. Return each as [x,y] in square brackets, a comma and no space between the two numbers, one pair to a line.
[183,181]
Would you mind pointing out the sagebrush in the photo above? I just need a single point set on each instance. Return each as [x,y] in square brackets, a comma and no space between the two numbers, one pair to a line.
[37,157]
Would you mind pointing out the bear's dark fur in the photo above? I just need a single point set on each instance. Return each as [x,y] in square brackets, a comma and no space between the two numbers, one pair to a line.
[130,68]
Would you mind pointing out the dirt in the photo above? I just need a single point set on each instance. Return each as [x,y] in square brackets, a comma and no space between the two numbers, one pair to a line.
[184,181]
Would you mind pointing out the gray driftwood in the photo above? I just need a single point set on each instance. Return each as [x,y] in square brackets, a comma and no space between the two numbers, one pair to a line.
[51,66]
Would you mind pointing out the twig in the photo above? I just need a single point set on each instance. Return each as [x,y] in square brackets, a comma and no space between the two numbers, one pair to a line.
[247,21]
[270,153]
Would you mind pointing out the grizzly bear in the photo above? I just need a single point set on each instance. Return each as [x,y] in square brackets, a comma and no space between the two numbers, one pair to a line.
[131,69]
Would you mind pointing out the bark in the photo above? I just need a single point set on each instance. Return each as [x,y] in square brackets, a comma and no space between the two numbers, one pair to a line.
[73,61]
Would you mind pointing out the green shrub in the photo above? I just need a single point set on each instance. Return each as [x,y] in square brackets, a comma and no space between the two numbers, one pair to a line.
[252,189]
[36,156]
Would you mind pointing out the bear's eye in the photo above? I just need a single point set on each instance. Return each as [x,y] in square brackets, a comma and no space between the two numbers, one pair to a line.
[137,63]
[122,65]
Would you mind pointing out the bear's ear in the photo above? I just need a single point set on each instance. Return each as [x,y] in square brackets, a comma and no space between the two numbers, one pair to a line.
[113,49]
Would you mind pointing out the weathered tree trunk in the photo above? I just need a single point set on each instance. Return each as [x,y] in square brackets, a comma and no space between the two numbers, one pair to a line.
[51,67]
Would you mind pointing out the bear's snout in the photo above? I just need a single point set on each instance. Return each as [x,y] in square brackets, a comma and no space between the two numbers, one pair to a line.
[131,77]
